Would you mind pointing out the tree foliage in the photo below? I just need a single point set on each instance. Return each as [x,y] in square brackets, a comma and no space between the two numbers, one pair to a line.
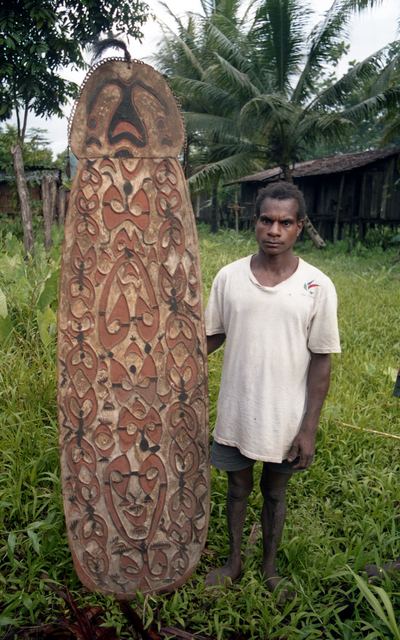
[39,37]
[35,149]
[251,85]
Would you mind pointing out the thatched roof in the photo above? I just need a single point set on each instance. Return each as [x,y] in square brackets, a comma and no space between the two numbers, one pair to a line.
[319,166]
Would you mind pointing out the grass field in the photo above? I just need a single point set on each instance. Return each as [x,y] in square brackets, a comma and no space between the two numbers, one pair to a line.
[342,514]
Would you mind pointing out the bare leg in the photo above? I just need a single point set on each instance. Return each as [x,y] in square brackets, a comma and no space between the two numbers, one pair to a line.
[375,574]
[273,516]
[240,485]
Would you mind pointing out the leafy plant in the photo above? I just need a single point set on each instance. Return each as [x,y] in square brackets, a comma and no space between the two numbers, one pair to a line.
[343,512]
[29,292]
[385,612]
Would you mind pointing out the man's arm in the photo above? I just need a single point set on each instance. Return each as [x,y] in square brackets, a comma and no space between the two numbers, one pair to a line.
[214,342]
[317,388]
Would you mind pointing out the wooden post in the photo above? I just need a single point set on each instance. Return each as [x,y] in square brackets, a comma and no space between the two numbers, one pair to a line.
[53,199]
[214,210]
[249,218]
[49,191]
[339,205]
[61,206]
[361,214]
[24,201]
[236,208]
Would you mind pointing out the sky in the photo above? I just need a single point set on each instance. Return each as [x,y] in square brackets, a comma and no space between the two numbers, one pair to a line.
[371,30]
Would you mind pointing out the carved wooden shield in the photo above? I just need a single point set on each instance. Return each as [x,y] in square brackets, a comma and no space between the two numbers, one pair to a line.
[132,368]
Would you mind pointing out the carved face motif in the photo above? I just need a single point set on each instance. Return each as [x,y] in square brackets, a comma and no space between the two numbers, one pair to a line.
[123,115]
[135,499]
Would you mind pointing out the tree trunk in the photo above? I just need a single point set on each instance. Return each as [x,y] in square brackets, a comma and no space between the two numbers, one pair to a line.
[26,111]
[313,233]
[308,225]
[61,207]
[24,201]
[49,193]
[214,209]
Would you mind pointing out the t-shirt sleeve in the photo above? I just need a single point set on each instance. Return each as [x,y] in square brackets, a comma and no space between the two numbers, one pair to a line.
[214,319]
[323,336]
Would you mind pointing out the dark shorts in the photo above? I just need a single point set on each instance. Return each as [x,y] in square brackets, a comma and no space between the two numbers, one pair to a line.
[227,458]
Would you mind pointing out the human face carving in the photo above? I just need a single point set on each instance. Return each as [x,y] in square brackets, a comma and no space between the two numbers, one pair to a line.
[135,499]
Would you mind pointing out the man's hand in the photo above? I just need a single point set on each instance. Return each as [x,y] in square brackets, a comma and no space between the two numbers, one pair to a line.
[304,447]
[317,388]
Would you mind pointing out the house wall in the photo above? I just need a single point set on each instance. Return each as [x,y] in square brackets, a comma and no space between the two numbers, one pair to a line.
[370,195]
[9,199]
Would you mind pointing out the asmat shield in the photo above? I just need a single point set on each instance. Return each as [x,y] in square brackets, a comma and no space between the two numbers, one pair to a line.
[132,367]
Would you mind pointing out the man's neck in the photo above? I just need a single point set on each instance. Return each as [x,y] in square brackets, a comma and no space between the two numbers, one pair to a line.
[272,270]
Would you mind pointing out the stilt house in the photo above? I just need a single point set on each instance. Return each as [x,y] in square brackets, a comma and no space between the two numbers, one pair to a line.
[341,191]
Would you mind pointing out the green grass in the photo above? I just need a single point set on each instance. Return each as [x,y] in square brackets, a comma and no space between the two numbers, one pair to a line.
[342,514]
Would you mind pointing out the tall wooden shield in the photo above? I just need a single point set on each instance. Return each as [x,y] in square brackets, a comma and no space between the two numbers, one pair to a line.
[132,368]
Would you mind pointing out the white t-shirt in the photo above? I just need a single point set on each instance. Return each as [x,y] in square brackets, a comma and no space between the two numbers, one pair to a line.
[270,333]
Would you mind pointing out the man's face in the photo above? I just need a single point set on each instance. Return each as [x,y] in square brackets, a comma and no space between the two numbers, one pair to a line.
[277,227]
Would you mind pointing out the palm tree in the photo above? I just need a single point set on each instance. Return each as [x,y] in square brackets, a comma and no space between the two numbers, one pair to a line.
[185,58]
[250,86]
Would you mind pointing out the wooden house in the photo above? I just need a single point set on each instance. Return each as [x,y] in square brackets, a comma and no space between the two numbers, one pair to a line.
[341,191]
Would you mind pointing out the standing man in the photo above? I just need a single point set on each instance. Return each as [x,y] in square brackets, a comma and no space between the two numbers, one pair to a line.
[278,316]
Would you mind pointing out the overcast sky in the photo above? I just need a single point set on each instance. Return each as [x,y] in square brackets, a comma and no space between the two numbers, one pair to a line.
[370,31]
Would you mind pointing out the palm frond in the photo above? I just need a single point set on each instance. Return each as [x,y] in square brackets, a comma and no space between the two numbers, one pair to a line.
[269,108]
[208,97]
[229,47]
[363,4]
[245,19]
[226,76]
[211,125]
[329,31]
[183,52]
[208,6]
[365,70]
[226,169]
[383,79]
[177,19]
[389,99]
[279,34]
[391,129]
[326,126]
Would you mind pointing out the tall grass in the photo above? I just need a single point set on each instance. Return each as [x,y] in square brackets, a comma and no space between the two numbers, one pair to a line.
[342,514]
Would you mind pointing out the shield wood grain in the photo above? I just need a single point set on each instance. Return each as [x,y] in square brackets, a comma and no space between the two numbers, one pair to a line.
[132,369]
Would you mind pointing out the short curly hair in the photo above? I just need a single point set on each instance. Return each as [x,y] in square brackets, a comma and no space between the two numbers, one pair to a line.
[281,191]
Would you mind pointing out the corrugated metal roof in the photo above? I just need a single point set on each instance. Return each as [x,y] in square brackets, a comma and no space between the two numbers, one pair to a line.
[319,166]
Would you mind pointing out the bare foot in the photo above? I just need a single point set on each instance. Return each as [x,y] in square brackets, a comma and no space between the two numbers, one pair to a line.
[376,575]
[276,583]
[219,577]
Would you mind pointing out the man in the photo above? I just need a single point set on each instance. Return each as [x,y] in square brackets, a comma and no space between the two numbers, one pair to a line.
[278,316]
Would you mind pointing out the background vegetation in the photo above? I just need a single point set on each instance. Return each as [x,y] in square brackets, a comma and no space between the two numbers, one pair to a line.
[258,86]
[343,512]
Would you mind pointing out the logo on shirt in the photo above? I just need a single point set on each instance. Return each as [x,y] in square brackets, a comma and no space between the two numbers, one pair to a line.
[309,285]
